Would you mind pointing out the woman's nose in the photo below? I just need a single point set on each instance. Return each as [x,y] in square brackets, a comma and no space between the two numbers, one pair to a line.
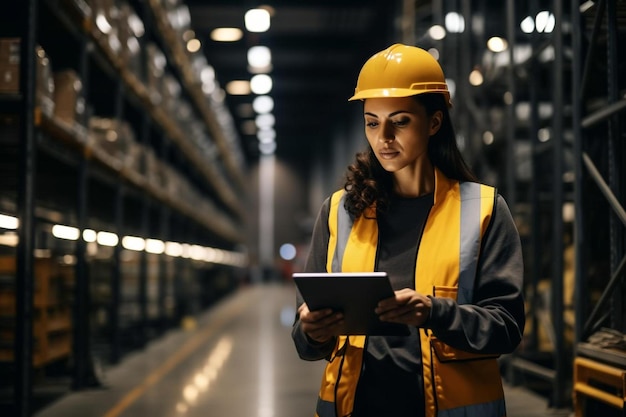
[387,134]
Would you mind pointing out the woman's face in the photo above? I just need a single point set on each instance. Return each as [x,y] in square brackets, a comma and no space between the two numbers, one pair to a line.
[398,130]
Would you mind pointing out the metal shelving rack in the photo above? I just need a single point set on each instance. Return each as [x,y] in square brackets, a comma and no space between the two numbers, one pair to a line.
[580,166]
[135,205]
[599,123]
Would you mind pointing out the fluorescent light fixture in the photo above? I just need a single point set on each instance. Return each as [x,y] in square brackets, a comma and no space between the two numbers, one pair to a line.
[133,243]
[257,20]
[9,239]
[265,121]
[267,148]
[197,252]
[107,239]
[155,246]
[545,22]
[238,88]
[261,84]
[193,45]
[455,23]
[527,25]
[173,249]
[226,34]
[259,58]
[263,104]
[497,44]
[65,232]
[8,222]
[476,78]
[266,135]
[89,235]
[437,32]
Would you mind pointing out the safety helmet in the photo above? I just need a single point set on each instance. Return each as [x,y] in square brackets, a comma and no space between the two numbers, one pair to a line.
[400,71]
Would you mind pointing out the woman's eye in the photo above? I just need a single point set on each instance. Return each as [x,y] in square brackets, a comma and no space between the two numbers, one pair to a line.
[371,124]
[401,122]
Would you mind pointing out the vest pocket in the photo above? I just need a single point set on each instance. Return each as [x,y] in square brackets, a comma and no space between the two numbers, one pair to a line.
[446,353]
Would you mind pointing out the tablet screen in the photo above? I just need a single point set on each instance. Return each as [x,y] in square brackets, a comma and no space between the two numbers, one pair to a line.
[354,294]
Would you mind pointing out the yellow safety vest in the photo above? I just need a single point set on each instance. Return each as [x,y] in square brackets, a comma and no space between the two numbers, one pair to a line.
[456,383]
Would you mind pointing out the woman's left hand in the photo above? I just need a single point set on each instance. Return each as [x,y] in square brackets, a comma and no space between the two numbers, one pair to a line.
[407,307]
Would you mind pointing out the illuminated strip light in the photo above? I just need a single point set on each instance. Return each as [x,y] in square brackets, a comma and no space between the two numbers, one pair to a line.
[9,222]
[65,232]
[135,243]
[107,239]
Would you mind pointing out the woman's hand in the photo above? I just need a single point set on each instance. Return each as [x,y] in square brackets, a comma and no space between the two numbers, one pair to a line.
[407,307]
[320,325]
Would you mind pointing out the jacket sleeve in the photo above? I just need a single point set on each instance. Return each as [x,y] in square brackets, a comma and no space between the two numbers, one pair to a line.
[494,322]
[316,262]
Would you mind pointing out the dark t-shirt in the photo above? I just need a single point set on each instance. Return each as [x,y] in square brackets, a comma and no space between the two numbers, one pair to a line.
[392,364]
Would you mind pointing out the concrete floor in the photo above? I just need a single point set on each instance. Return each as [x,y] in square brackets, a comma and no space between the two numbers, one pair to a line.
[237,360]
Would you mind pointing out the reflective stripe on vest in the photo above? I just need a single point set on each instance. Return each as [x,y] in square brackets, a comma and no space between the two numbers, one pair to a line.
[470,240]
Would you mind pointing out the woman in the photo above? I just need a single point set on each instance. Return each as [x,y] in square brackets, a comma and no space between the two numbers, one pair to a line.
[450,248]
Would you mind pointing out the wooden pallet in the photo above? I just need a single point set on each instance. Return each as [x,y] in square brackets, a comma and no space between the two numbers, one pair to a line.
[52,316]
[598,381]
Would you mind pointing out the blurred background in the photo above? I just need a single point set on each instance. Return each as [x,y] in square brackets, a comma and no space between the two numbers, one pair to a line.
[159,155]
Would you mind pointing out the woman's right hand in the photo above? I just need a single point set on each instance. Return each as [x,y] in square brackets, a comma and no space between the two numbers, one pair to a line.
[319,325]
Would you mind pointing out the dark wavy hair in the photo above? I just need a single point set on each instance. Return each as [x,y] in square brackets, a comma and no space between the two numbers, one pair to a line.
[368,184]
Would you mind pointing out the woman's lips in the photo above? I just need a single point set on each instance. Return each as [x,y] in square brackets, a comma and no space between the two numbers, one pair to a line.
[388,154]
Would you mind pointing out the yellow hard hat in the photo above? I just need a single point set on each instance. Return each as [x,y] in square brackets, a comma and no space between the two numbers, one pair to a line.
[400,71]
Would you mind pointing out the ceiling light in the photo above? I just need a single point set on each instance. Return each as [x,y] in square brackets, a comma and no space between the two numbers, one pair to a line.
[155,246]
[226,34]
[434,52]
[261,84]
[488,138]
[65,232]
[527,25]
[238,88]
[263,104]
[89,235]
[545,22]
[193,45]
[265,121]
[476,78]
[257,20]
[455,23]
[173,249]
[133,243]
[437,32]
[259,58]
[8,222]
[107,239]
[266,135]
[497,44]
[267,148]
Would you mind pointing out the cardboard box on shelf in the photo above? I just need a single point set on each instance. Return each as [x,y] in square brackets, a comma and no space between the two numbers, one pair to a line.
[10,51]
[9,79]
[69,104]
[114,137]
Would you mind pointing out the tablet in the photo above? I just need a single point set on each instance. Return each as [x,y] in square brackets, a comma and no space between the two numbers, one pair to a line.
[356,294]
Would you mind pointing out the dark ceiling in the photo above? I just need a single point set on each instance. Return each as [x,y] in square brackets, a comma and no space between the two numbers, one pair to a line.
[317,49]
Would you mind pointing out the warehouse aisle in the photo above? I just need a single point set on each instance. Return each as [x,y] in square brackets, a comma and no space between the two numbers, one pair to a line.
[236,360]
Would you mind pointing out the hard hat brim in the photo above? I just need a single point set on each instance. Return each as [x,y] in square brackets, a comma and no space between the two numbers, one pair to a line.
[398,92]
